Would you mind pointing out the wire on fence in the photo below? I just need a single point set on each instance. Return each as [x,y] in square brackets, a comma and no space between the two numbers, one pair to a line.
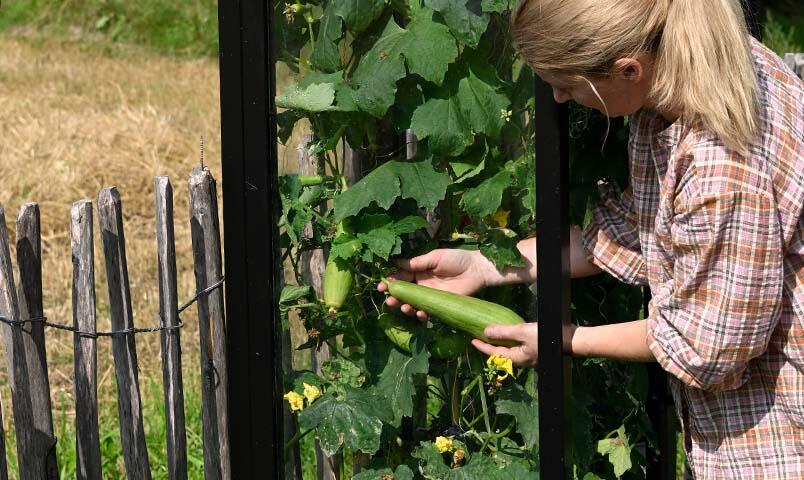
[162,327]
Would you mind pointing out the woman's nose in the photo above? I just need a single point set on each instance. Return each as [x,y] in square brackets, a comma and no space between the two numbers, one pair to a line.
[561,95]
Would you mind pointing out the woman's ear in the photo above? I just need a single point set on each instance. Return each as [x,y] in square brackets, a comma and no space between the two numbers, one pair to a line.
[630,69]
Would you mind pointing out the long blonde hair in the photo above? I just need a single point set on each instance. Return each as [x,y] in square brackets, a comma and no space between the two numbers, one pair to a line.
[703,65]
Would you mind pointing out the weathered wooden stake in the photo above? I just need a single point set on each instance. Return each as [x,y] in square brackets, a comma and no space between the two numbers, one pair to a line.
[124,347]
[10,310]
[171,347]
[211,323]
[312,269]
[87,443]
[42,450]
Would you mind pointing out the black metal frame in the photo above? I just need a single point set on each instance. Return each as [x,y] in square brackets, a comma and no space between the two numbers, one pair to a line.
[250,208]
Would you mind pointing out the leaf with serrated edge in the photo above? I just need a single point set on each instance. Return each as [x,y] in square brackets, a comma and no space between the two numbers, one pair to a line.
[465,18]
[353,420]
[515,401]
[396,379]
[358,14]
[325,55]
[417,180]
[618,450]
[486,198]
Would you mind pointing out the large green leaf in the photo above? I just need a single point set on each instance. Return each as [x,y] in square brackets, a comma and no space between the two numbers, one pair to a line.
[417,180]
[618,450]
[465,18]
[317,97]
[486,198]
[396,380]
[426,46]
[480,96]
[354,419]
[441,121]
[326,55]
[501,248]
[471,101]
[358,14]
[523,406]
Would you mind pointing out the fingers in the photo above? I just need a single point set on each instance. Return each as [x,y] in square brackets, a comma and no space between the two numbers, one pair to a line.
[519,333]
[428,261]
[517,354]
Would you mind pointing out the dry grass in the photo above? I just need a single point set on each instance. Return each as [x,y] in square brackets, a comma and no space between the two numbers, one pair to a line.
[76,119]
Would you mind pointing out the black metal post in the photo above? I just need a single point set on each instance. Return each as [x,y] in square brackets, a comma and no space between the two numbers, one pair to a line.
[551,143]
[250,206]
[661,462]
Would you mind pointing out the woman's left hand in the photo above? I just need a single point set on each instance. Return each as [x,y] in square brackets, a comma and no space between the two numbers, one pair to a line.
[526,354]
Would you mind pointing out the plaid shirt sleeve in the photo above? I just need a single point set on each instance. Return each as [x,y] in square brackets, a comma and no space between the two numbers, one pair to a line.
[719,307]
[611,237]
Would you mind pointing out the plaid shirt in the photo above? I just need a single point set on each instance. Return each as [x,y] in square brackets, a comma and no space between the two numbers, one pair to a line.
[719,238]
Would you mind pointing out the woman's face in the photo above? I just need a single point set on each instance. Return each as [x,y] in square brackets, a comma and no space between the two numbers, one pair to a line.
[622,93]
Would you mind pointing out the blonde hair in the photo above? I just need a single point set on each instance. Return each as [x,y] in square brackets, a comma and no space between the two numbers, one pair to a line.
[703,66]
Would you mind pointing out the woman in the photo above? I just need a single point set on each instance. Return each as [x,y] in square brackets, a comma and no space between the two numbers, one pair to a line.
[712,219]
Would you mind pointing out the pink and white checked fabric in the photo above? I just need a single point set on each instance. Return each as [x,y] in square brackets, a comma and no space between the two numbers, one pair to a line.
[719,238]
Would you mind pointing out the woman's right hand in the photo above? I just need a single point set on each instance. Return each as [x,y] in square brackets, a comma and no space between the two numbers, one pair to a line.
[453,270]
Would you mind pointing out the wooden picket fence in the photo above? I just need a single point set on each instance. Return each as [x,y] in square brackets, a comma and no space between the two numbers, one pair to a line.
[24,326]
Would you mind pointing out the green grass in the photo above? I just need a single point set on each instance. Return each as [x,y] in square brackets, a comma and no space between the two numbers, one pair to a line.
[109,433]
[187,27]
[784,33]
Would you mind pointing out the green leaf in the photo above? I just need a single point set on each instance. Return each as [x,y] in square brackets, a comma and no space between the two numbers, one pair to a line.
[291,293]
[480,98]
[426,46]
[345,246]
[470,163]
[417,180]
[441,121]
[471,101]
[342,373]
[498,6]
[317,97]
[465,18]
[396,379]
[354,420]
[486,198]
[325,55]
[409,224]
[403,472]
[376,232]
[501,248]
[431,463]
[515,401]
[618,450]
[358,14]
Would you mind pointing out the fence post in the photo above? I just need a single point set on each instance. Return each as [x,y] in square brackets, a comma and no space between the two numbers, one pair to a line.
[313,264]
[205,231]
[551,143]
[41,452]
[124,347]
[176,435]
[87,443]
[10,310]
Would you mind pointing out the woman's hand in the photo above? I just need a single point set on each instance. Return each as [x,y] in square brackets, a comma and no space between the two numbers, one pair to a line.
[453,270]
[526,354]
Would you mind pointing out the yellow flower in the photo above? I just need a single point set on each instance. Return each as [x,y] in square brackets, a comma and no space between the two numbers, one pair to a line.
[311,392]
[295,400]
[501,364]
[443,444]
[500,218]
[458,456]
